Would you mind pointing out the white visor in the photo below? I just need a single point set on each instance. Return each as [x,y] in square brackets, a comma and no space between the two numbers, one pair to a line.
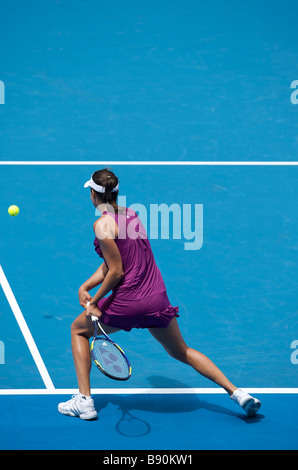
[97,187]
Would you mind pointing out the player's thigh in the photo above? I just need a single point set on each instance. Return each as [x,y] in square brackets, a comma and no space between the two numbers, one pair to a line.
[171,339]
[83,325]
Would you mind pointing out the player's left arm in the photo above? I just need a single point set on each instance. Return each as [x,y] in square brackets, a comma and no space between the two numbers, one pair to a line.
[93,281]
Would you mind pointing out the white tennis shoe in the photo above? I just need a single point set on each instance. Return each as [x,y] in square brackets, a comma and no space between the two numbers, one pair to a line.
[80,406]
[249,404]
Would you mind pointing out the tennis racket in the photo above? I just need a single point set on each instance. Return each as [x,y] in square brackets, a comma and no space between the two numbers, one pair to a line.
[108,356]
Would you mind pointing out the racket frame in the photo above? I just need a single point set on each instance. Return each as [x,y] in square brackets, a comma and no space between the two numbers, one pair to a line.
[97,324]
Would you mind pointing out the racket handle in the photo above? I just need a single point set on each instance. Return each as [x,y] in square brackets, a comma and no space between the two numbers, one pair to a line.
[93,318]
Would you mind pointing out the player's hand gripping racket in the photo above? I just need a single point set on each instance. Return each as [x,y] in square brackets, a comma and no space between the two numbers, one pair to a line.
[108,356]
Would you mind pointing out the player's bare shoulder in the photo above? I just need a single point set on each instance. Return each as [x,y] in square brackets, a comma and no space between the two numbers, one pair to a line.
[105,227]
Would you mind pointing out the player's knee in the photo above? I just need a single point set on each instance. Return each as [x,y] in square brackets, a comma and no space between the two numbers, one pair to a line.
[76,326]
[180,354]
[81,327]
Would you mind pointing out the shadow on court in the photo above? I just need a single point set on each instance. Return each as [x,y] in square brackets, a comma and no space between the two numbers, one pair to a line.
[138,412]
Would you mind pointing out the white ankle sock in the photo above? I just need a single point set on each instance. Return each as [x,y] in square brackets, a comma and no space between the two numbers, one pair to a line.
[85,397]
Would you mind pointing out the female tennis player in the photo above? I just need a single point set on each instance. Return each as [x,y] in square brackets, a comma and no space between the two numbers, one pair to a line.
[138,299]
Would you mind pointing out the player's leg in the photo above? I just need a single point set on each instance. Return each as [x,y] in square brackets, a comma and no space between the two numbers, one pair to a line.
[81,330]
[82,405]
[172,341]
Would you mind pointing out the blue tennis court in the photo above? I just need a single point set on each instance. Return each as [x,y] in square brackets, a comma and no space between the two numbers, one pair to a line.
[190,105]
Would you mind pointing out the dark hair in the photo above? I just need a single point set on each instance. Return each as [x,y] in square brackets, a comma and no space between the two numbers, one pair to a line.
[109,181]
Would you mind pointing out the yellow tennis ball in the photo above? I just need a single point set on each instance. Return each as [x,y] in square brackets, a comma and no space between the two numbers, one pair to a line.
[13,210]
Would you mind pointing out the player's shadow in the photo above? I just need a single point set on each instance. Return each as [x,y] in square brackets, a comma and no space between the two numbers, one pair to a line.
[195,402]
[131,425]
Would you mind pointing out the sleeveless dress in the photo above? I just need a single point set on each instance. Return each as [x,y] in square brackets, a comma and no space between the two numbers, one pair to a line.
[140,299]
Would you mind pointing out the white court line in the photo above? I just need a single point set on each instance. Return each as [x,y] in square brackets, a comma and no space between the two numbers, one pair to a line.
[135,162]
[144,391]
[25,330]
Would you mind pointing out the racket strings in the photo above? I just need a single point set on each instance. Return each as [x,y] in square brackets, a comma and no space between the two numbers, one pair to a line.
[110,358]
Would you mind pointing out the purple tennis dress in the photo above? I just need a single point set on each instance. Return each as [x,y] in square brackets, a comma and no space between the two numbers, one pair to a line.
[140,299]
